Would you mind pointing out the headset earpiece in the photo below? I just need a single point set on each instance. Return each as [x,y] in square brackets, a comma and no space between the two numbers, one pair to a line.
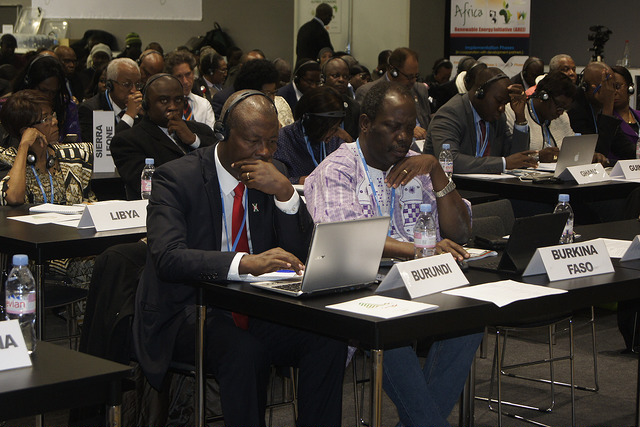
[145,89]
[394,73]
[631,89]
[541,95]
[481,91]
[32,159]
[109,85]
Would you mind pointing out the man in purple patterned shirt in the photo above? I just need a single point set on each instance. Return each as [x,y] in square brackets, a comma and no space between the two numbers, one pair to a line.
[375,176]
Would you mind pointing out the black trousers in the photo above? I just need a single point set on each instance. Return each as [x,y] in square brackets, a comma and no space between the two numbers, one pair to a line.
[241,362]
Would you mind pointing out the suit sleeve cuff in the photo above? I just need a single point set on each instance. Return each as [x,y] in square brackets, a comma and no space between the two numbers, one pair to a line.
[235,265]
[196,143]
[291,206]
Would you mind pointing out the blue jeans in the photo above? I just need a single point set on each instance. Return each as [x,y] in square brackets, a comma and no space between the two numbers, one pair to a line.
[425,396]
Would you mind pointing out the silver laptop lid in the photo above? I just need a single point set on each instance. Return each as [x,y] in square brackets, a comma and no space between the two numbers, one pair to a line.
[345,253]
[575,151]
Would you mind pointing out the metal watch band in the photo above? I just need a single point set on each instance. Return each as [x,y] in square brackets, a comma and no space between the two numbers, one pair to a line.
[446,190]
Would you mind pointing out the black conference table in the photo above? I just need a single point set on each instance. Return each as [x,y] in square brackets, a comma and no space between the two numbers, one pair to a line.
[49,241]
[455,315]
[62,379]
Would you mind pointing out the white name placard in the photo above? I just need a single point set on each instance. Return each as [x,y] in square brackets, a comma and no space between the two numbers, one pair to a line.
[13,350]
[570,261]
[585,174]
[633,252]
[424,276]
[627,169]
[115,215]
[103,130]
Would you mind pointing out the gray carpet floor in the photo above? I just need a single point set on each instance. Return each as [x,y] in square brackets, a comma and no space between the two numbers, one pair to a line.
[612,405]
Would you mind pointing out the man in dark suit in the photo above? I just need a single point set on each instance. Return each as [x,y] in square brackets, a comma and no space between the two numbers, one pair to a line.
[403,69]
[122,96]
[336,74]
[313,35]
[193,215]
[532,68]
[306,76]
[162,134]
[73,82]
[474,125]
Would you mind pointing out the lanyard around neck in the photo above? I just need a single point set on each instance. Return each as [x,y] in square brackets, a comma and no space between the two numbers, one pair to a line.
[224,220]
[44,195]
[481,146]
[593,117]
[323,150]
[373,189]
[546,133]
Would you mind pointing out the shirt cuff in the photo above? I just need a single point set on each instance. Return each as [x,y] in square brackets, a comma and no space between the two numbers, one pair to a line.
[196,143]
[291,206]
[127,119]
[522,128]
[235,265]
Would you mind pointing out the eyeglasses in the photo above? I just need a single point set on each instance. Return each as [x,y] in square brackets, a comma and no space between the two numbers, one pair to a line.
[128,85]
[363,76]
[47,120]
[312,82]
[222,70]
[415,76]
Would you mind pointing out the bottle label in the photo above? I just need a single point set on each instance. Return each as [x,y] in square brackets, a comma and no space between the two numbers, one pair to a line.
[145,185]
[21,305]
[423,240]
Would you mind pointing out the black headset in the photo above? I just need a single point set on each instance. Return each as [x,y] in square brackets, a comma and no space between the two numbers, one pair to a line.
[467,77]
[144,54]
[631,89]
[481,91]
[145,97]
[324,67]
[220,129]
[32,159]
[304,64]
[27,80]
[440,63]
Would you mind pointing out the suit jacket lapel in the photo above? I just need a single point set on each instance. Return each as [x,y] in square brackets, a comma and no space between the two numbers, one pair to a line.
[159,136]
[212,190]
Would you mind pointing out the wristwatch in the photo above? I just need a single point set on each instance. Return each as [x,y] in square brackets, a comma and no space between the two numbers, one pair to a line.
[446,190]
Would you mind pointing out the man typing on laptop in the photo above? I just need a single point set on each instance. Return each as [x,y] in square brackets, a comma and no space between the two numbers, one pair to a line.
[214,214]
[376,176]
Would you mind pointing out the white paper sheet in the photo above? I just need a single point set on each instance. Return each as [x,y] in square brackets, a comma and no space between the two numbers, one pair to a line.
[45,218]
[616,248]
[504,292]
[384,307]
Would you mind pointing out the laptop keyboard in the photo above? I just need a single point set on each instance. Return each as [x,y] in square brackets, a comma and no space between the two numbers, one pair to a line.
[293,287]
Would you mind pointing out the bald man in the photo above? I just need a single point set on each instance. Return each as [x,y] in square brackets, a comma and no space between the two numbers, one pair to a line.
[67,56]
[151,62]
[592,112]
[190,238]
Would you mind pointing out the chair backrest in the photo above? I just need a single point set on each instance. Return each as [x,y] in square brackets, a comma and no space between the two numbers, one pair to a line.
[501,209]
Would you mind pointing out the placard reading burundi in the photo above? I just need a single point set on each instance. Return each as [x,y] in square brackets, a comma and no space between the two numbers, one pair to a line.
[490,27]
[186,10]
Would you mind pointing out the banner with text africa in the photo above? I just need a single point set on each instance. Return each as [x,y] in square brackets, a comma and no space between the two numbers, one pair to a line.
[490,27]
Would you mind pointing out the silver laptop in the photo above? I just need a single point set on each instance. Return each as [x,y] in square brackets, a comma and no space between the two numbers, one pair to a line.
[343,255]
[575,151]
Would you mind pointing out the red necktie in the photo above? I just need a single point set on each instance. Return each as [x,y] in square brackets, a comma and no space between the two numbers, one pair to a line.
[241,320]
[483,134]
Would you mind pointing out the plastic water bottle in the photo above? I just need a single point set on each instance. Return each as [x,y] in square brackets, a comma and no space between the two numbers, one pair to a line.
[145,178]
[20,298]
[446,160]
[638,149]
[564,206]
[424,233]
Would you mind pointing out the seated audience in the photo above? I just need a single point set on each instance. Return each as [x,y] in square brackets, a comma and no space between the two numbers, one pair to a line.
[305,77]
[474,125]
[133,47]
[324,55]
[383,63]
[258,74]
[45,74]
[403,69]
[441,94]
[314,135]
[98,84]
[565,64]
[592,113]
[8,45]
[213,72]
[629,117]
[360,75]
[545,115]
[284,71]
[161,134]
[181,65]
[100,54]
[335,74]
[378,175]
[190,239]
[150,62]
[532,68]
[155,46]
[234,68]
[441,74]
[122,96]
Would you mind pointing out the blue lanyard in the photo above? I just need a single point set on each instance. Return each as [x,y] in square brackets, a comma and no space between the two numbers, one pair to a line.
[224,220]
[323,151]
[546,133]
[44,195]
[373,189]
[481,146]
[593,117]
[106,93]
